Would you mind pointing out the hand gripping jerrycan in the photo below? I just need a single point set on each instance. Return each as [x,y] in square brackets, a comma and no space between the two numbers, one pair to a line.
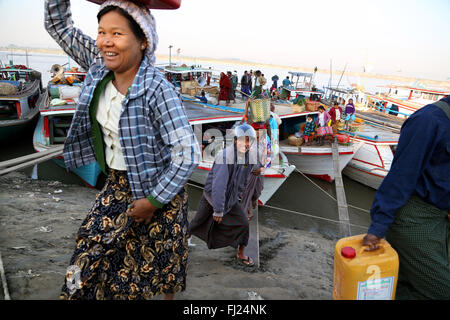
[364,275]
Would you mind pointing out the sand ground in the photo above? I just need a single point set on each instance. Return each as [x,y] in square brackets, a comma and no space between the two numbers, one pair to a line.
[39,220]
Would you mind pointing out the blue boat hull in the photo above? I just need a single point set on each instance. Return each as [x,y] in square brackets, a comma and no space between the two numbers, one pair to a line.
[89,173]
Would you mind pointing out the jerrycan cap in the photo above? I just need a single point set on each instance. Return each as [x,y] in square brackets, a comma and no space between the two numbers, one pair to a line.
[348,252]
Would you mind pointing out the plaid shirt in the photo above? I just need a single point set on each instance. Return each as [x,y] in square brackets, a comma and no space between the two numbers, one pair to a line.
[159,147]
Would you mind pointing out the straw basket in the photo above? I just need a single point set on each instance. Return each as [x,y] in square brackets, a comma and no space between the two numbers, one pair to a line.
[296,108]
[312,105]
[294,141]
[260,110]
[356,127]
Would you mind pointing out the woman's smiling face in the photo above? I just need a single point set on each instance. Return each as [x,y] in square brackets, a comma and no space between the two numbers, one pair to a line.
[119,47]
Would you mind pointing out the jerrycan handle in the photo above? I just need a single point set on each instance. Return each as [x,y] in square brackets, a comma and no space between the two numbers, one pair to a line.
[363,248]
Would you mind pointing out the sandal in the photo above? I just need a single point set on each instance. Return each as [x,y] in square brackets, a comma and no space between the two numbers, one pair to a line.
[248,262]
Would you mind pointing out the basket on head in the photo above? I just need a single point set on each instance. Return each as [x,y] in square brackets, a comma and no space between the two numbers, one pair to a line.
[152,4]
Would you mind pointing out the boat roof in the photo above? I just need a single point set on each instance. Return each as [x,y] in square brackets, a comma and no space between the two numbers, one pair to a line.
[403,103]
[319,92]
[300,74]
[341,90]
[184,70]
[204,113]
[441,91]
[15,70]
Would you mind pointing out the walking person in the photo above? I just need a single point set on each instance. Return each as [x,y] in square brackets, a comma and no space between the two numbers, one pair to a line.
[256,93]
[233,83]
[245,85]
[412,206]
[133,242]
[221,220]
[225,86]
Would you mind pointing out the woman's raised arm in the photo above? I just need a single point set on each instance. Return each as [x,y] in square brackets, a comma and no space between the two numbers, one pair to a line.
[59,24]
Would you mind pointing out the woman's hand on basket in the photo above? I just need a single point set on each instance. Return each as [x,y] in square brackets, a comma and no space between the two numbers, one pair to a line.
[141,210]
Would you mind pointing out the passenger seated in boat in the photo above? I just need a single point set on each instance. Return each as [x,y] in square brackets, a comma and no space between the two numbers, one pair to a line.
[202,97]
[308,131]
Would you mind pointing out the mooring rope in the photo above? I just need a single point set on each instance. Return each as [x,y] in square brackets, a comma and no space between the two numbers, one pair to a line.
[329,195]
[295,212]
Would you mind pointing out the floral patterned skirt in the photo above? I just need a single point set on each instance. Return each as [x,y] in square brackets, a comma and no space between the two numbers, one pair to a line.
[118,258]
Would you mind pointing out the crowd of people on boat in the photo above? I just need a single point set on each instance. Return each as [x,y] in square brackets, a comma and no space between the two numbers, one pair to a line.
[327,122]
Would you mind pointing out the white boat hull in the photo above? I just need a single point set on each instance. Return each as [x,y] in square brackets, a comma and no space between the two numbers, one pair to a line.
[317,161]
[363,176]
[272,181]
[372,160]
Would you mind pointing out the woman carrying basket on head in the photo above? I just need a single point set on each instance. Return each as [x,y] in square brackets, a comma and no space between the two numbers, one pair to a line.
[129,118]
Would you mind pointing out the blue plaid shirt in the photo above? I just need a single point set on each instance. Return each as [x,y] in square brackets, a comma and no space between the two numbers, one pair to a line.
[158,144]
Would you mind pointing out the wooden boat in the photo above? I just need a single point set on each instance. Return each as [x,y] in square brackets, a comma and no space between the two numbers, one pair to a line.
[313,160]
[373,148]
[303,87]
[402,101]
[210,118]
[21,95]
[54,122]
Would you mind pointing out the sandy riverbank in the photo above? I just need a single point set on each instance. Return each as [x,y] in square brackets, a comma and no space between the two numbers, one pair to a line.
[262,66]
[39,220]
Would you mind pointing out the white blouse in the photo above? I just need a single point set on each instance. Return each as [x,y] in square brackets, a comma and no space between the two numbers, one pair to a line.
[108,116]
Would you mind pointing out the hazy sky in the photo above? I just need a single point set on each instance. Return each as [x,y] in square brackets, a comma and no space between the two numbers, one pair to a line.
[399,37]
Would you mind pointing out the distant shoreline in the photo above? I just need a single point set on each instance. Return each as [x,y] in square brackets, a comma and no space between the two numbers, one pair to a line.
[260,65]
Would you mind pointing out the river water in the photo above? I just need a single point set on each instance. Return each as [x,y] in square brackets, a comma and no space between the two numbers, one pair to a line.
[299,203]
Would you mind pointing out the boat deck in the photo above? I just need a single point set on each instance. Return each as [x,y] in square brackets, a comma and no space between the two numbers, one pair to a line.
[373,133]
[313,149]
[206,112]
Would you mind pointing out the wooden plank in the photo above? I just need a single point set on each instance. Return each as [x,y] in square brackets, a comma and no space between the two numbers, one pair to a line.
[36,155]
[340,194]
[3,276]
[252,248]
[31,162]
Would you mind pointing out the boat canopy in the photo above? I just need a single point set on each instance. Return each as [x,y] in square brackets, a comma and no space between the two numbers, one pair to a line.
[300,74]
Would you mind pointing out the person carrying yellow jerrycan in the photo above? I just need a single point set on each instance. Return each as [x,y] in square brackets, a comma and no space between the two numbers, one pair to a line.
[364,275]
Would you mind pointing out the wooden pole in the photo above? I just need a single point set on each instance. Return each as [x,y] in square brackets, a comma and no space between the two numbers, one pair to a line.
[32,162]
[36,155]
[342,75]
[4,283]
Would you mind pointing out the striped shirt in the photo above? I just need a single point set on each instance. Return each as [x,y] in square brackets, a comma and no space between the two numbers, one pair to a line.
[158,144]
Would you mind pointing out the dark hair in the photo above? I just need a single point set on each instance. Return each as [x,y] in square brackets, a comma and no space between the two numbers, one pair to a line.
[134,26]
[321,107]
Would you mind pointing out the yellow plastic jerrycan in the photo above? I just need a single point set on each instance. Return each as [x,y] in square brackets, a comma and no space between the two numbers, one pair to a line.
[364,275]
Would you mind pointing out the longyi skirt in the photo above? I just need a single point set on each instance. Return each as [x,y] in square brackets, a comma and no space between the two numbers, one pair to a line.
[118,258]
[233,231]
